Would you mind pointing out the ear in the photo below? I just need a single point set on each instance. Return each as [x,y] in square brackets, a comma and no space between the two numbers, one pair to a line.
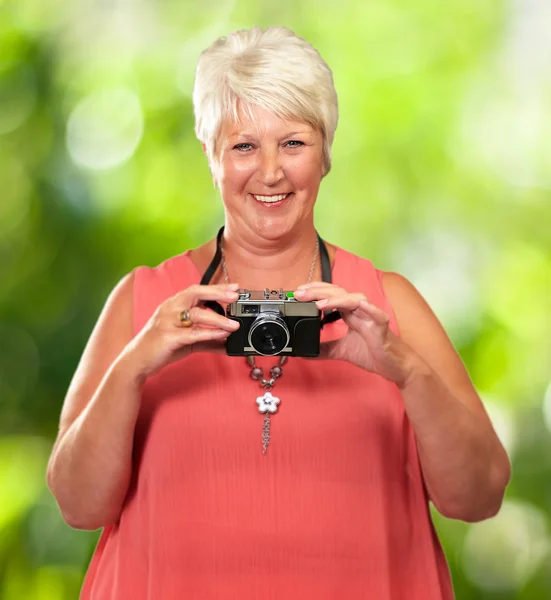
[204,146]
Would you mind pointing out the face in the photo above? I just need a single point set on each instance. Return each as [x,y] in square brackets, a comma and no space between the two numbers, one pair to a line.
[269,174]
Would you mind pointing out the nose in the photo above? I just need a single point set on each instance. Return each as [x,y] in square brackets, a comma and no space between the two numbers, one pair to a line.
[270,171]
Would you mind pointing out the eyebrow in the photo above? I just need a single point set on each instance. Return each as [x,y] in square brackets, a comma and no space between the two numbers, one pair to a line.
[250,136]
[246,136]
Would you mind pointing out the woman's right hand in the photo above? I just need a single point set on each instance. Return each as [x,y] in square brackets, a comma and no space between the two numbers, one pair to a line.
[164,339]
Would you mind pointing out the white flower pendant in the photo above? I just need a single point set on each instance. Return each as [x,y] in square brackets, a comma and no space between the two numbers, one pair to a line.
[267,403]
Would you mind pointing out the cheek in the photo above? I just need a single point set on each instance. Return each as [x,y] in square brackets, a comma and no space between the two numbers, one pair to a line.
[306,173]
[235,174]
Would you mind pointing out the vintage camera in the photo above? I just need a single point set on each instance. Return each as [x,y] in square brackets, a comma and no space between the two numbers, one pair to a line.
[273,322]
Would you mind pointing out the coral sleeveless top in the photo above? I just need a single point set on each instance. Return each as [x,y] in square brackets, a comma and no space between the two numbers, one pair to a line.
[335,509]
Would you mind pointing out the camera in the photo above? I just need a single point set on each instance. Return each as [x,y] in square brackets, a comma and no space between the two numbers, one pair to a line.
[273,322]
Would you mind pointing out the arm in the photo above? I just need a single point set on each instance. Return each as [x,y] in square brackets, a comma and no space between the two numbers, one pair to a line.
[466,469]
[90,465]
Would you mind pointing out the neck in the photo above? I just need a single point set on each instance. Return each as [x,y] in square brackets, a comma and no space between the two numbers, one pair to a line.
[257,262]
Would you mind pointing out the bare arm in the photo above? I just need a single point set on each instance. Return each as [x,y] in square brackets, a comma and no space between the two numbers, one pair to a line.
[90,465]
[90,468]
[466,469]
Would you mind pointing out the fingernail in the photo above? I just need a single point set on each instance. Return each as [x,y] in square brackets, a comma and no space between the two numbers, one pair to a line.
[299,292]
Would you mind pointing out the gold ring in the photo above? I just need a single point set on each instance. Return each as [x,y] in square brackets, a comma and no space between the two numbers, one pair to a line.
[185,319]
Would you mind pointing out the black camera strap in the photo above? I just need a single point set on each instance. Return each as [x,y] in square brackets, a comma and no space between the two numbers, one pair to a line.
[328,317]
[211,269]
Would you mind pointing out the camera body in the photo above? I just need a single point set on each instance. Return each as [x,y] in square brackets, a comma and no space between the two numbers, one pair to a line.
[273,323]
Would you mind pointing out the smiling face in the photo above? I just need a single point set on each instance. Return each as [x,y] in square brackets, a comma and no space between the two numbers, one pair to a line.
[269,172]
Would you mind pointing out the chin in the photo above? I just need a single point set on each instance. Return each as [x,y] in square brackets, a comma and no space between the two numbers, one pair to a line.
[277,231]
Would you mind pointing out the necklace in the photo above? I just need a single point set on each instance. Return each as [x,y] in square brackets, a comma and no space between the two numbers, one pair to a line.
[267,404]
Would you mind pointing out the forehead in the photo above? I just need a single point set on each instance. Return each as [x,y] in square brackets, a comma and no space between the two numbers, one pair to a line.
[260,121]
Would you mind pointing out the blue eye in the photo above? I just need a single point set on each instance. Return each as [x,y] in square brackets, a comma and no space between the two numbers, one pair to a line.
[241,147]
[294,144]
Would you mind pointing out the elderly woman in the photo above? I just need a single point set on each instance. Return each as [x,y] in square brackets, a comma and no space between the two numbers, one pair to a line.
[163,441]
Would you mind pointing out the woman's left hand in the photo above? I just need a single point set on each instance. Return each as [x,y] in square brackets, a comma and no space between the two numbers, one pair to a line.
[369,342]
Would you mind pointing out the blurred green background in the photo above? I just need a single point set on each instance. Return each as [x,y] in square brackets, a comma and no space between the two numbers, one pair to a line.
[441,171]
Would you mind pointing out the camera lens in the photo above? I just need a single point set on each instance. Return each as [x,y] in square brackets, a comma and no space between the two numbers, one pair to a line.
[269,335]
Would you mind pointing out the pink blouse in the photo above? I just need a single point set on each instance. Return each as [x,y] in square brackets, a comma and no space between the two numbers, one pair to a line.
[335,509]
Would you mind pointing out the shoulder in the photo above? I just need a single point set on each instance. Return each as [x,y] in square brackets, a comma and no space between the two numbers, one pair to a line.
[421,329]
[399,290]
[170,274]
[413,313]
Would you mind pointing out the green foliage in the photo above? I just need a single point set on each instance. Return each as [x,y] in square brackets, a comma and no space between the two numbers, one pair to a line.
[441,170]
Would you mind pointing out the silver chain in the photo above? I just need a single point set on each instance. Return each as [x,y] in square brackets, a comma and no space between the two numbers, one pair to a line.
[266,433]
[310,275]
[314,260]
[224,268]
[257,373]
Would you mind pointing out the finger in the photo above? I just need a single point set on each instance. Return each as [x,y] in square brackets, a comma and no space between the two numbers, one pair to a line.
[208,318]
[356,318]
[216,344]
[315,284]
[341,301]
[306,286]
[318,293]
[376,313]
[197,293]
[197,335]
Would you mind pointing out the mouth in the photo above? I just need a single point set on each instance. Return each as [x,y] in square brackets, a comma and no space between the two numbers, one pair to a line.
[273,200]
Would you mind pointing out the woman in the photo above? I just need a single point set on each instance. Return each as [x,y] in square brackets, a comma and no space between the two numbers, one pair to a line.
[161,441]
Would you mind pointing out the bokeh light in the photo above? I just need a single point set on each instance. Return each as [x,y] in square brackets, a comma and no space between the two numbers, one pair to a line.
[502,554]
[503,420]
[105,129]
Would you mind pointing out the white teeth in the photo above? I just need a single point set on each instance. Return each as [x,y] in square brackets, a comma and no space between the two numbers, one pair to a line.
[269,199]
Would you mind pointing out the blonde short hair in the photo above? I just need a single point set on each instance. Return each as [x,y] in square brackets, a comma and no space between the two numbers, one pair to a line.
[273,69]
